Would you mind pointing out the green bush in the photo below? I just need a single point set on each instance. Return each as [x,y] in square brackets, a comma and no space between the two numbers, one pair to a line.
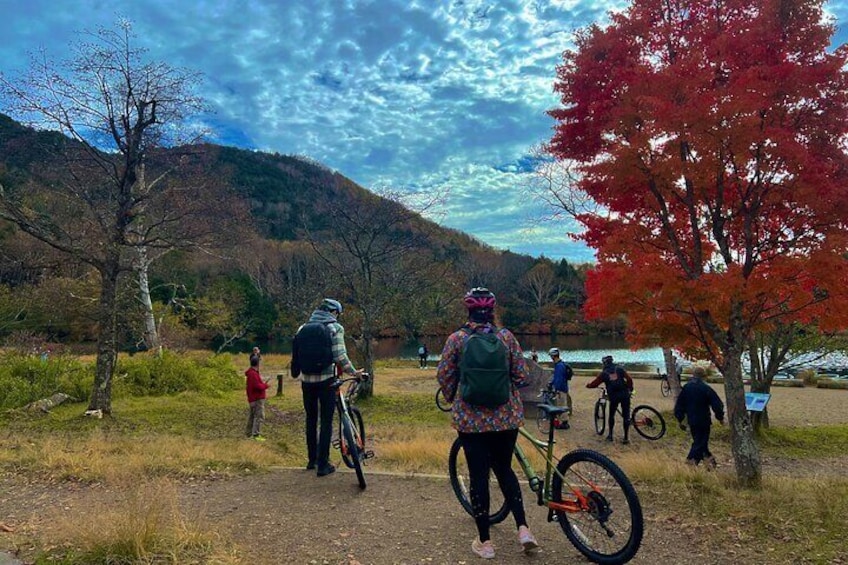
[27,378]
[169,373]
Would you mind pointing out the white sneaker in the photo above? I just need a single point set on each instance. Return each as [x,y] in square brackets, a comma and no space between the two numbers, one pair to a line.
[484,549]
[527,540]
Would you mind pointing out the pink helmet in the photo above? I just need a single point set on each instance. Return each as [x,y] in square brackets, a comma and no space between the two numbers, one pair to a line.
[479,298]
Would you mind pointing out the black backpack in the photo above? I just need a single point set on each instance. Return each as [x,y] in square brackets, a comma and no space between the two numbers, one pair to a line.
[617,386]
[312,350]
[484,370]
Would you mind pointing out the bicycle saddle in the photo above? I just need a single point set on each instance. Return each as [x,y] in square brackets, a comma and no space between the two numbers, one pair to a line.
[552,410]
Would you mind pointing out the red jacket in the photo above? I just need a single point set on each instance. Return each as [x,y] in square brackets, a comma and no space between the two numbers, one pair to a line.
[255,385]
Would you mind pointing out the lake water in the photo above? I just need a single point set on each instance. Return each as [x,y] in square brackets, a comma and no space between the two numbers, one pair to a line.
[575,350]
[578,351]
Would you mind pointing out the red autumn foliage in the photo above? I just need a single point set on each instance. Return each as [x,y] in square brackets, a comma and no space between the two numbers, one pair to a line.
[713,134]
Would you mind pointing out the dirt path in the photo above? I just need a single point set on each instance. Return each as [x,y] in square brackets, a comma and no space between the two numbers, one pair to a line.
[291,516]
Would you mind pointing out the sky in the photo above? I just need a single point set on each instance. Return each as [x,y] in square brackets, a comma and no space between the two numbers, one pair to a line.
[421,97]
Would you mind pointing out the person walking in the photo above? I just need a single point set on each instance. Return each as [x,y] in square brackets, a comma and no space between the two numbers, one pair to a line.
[694,403]
[423,352]
[256,388]
[480,370]
[559,382]
[317,351]
[619,389]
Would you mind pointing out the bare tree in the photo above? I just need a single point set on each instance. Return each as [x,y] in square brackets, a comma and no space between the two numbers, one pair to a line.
[377,250]
[96,202]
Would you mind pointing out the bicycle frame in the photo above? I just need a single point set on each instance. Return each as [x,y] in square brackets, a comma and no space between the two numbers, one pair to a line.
[543,488]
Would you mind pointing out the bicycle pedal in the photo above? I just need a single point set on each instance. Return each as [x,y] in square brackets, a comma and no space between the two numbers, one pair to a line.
[369,454]
[337,444]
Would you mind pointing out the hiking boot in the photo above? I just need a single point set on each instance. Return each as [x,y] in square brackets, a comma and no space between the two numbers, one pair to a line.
[310,466]
[326,470]
[527,540]
[257,437]
[711,463]
[609,438]
[484,550]
[625,441]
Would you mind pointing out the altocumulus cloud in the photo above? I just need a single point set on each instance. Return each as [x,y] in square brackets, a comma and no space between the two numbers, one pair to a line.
[420,95]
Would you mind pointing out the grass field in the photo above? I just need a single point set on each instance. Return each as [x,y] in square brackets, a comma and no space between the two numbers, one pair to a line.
[158,443]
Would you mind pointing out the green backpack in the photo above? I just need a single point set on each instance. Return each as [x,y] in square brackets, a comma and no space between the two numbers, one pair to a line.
[484,370]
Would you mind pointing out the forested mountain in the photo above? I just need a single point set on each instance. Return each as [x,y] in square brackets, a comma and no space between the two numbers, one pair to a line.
[289,231]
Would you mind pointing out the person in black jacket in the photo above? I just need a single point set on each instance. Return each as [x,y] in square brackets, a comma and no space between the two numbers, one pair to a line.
[694,403]
[619,387]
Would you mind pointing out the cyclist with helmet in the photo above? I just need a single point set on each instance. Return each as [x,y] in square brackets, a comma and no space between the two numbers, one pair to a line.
[487,433]
[318,397]
[559,381]
[619,389]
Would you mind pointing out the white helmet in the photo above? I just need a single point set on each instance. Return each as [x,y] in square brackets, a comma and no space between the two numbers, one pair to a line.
[553,351]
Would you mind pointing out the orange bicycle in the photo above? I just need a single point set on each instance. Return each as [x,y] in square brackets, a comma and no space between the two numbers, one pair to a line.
[587,494]
[351,440]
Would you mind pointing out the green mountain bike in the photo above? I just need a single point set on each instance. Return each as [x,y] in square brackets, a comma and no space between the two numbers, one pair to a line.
[587,494]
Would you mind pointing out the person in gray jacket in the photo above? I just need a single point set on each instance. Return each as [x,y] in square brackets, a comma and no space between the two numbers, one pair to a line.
[317,352]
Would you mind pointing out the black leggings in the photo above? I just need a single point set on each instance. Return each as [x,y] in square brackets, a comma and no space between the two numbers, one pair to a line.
[492,451]
[614,401]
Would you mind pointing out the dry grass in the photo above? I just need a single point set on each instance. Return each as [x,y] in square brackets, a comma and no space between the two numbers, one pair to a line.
[121,460]
[143,527]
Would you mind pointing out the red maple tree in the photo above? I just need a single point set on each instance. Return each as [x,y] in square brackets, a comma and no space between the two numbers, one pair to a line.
[713,135]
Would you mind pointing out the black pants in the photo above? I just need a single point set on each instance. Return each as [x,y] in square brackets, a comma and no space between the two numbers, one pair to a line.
[700,443]
[422,361]
[492,451]
[319,398]
[615,401]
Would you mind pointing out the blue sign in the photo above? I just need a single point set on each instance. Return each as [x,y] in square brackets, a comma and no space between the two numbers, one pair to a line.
[756,401]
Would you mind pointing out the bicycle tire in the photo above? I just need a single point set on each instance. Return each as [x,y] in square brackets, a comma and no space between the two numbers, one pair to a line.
[648,422]
[458,471]
[665,387]
[359,427]
[442,402]
[610,528]
[600,417]
[352,448]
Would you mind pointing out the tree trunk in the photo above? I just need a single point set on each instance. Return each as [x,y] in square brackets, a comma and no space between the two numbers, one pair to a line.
[368,359]
[746,453]
[107,353]
[151,334]
[760,420]
[671,372]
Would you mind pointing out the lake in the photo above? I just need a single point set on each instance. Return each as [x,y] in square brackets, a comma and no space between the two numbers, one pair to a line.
[576,350]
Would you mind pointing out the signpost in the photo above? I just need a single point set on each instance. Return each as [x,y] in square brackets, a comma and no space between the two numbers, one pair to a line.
[756,401]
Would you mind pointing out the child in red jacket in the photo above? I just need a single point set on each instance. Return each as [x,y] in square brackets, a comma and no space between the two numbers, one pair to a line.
[256,388]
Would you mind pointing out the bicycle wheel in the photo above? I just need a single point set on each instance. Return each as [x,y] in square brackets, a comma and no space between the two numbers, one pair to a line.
[442,402]
[648,422]
[600,416]
[461,483]
[359,429]
[665,388]
[609,527]
[352,448]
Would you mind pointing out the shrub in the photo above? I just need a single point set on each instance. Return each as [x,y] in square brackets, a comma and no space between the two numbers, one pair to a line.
[841,384]
[27,378]
[169,373]
[809,376]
